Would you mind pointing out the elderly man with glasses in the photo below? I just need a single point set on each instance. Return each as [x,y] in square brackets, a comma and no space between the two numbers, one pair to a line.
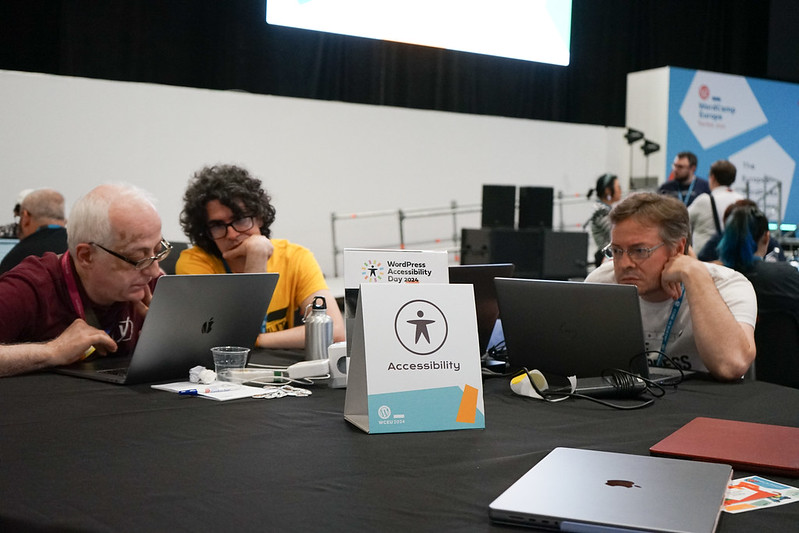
[227,216]
[699,315]
[55,310]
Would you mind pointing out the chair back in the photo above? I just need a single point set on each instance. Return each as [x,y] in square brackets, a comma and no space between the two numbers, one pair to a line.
[777,341]
[168,264]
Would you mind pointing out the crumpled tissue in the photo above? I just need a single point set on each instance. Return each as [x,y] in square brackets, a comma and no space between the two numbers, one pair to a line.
[200,374]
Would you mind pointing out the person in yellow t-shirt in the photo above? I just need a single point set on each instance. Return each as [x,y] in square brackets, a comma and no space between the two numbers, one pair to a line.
[227,216]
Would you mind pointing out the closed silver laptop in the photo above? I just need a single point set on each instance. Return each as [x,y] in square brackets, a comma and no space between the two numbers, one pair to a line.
[595,491]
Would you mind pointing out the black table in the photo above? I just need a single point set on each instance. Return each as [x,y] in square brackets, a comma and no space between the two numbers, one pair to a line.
[82,455]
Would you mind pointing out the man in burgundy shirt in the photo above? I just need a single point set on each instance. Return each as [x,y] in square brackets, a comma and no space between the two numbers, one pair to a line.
[55,310]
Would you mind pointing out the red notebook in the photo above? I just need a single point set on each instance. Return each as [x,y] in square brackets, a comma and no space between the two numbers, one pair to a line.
[746,446]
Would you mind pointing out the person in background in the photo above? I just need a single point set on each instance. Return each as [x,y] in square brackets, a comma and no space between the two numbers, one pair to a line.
[10,231]
[608,192]
[701,315]
[685,185]
[707,211]
[227,215]
[743,247]
[41,227]
[709,251]
[92,299]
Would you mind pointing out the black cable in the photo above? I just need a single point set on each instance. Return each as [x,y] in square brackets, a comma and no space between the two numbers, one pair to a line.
[557,395]
[498,352]
[495,357]
[627,379]
[676,380]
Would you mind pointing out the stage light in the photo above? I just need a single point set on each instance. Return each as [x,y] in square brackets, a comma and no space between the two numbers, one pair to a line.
[633,135]
[649,147]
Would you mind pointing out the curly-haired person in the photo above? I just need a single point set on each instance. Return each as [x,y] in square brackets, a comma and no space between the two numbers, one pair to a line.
[227,215]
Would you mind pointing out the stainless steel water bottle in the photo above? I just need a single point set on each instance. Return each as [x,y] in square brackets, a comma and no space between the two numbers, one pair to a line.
[318,329]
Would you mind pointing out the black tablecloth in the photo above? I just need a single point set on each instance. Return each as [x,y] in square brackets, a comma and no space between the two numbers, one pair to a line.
[84,455]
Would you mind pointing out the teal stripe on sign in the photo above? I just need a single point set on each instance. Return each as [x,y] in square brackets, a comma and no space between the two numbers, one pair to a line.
[421,410]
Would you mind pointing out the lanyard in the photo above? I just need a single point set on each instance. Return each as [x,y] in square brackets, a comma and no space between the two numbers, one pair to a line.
[687,198]
[72,285]
[675,308]
[74,295]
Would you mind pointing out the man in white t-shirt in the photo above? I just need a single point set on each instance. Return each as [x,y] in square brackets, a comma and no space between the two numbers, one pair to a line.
[707,211]
[708,327]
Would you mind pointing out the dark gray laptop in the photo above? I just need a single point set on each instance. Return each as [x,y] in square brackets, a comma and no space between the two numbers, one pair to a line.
[589,490]
[481,277]
[568,328]
[187,316]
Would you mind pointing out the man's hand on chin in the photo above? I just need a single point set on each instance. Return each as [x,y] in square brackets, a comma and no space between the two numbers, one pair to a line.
[142,306]
[254,252]
[676,272]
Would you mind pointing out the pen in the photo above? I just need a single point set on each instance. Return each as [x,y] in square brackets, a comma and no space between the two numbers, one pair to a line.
[207,390]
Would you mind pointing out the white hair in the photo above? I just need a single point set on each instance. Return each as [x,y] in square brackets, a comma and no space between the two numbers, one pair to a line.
[89,220]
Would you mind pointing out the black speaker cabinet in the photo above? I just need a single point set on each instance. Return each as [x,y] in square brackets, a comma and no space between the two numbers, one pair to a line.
[475,246]
[537,253]
[535,207]
[523,248]
[499,206]
[565,255]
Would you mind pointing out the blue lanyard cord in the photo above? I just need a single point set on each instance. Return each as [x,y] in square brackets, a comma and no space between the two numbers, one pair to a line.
[675,308]
[688,196]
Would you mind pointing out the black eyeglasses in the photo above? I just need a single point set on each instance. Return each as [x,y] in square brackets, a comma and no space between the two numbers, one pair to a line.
[636,254]
[217,230]
[141,264]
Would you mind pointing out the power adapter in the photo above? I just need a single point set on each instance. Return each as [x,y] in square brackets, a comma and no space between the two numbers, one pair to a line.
[309,369]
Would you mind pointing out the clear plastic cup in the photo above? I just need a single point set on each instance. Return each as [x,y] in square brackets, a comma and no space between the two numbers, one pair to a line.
[228,359]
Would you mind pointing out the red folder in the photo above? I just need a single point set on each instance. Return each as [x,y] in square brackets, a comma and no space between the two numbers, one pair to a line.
[745,446]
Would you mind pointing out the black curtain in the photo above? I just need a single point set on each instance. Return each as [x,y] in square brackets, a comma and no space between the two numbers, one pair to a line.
[226,44]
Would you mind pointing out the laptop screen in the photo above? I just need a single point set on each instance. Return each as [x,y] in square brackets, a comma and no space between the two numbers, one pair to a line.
[481,277]
[6,245]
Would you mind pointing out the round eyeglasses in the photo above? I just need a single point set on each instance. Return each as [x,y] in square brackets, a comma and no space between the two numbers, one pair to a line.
[636,254]
[217,230]
[141,264]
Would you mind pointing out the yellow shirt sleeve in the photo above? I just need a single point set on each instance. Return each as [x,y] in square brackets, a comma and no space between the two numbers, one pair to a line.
[300,277]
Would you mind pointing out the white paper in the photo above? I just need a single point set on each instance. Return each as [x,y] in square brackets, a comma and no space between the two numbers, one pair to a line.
[239,391]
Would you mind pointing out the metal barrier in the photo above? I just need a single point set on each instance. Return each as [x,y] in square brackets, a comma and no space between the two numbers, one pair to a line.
[767,196]
[452,242]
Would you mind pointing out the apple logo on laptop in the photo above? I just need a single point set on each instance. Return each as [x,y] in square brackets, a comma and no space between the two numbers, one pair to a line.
[208,325]
[621,483]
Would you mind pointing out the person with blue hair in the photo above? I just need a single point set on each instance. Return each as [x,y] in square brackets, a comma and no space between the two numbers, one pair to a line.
[743,247]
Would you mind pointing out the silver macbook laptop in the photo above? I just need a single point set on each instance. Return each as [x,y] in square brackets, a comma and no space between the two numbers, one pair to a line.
[187,316]
[589,490]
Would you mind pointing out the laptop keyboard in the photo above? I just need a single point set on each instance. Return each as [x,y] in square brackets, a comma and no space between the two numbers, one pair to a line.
[122,372]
